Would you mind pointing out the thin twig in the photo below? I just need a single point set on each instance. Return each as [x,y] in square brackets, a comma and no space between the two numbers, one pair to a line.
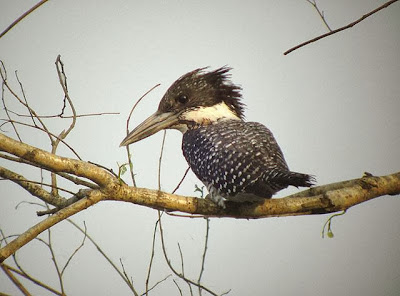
[183,269]
[179,289]
[54,259]
[22,17]
[203,259]
[151,257]
[320,13]
[155,285]
[45,131]
[169,262]
[127,132]
[342,28]
[33,280]
[160,160]
[4,81]
[130,280]
[76,250]
[67,116]
[16,282]
[99,249]
[180,182]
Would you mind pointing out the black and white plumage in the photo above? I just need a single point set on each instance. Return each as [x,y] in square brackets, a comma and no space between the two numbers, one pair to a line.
[236,160]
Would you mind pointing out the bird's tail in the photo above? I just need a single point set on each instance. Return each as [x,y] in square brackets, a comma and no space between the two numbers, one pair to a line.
[300,180]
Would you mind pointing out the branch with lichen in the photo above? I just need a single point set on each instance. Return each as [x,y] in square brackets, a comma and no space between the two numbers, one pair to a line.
[317,200]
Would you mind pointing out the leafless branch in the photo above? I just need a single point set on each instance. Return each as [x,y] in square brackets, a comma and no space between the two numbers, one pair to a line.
[341,28]
[320,12]
[100,250]
[151,257]
[16,282]
[180,275]
[14,23]
[127,132]
[33,280]
[203,259]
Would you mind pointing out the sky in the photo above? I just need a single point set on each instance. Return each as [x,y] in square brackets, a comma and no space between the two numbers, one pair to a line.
[333,107]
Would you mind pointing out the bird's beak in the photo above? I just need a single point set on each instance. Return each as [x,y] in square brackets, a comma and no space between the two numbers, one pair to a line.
[154,123]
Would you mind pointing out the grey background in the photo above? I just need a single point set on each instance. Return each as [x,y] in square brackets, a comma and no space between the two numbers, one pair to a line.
[333,107]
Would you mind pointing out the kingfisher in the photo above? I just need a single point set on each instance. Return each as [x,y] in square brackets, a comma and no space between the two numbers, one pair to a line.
[236,160]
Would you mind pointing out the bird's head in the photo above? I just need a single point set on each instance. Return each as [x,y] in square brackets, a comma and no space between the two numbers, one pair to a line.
[195,99]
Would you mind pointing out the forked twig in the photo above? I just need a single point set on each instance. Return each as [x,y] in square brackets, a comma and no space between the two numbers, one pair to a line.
[341,28]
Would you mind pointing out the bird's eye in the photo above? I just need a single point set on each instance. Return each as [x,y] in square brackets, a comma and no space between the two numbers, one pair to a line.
[182,99]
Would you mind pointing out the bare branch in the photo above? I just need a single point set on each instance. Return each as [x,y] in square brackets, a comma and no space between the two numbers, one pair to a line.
[32,188]
[320,12]
[28,277]
[127,132]
[14,23]
[151,257]
[203,259]
[180,275]
[342,28]
[100,250]
[56,163]
[318,200]
[16,282]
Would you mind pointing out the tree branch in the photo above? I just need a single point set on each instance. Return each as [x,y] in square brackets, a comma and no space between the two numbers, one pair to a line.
[318,200]
[342,28]
[22,17]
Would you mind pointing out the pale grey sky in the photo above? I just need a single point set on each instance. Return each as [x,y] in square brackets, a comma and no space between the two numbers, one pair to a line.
[333,107]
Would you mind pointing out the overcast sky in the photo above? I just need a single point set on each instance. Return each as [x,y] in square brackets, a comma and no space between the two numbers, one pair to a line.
[333,107]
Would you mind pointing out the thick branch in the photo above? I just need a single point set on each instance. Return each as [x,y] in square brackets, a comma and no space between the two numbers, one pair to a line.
[94,197]
[32,188]
[56,163]
[318,200]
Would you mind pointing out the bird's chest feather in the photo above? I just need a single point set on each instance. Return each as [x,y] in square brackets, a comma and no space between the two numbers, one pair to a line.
[222,156]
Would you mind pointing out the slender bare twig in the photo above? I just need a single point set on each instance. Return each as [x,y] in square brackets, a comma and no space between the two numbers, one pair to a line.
[24,96]
[181,276]
[151,257]
[320,12]
[16,282]
[22,102]
[130,280]
[14,23]
[62,116]
[160,160]
[43,130]
[100,250]
[76,250]
[179,288]
[203,259]
[33,280]
[341,28]
[54,143]
[127,132]
[155,285]
[180,182]
[54,259]
[183,269]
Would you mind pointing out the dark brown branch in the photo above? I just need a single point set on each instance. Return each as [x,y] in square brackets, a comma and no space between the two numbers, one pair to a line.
[342,28]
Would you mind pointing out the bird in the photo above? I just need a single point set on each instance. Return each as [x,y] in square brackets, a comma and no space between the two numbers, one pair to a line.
[236,160]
